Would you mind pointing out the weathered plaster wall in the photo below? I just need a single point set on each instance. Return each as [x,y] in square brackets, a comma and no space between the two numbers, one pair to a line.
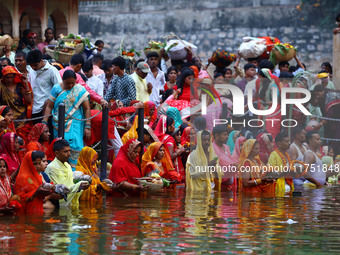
[208,24]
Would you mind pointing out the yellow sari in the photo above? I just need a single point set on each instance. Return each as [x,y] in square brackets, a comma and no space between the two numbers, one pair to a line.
[276,160]
[198,177]
[132,133]
[84,164]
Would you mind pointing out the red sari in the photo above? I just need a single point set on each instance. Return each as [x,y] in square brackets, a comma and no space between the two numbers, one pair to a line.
[5,188]
[123,168]
[7,151]
[169,141]
[147,107]
[34,136]
[185,138]
[26,184]
[50,152]
[96,123]
[264,152]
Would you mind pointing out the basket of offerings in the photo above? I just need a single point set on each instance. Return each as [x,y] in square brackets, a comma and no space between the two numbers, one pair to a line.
[153,184]
[153,47]
[222,58]
[77,44]
[130,54]
[282,52]
[61,55]
[75,41]
[270,43]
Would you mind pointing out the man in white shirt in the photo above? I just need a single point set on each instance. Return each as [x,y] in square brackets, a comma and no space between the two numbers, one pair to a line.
[94,82]
[156,78]
[42,77]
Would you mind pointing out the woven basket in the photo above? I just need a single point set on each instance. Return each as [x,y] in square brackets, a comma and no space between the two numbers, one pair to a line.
[62,57]
[289,55]
[221,58]
[79,48]
[151,186]
[146,52]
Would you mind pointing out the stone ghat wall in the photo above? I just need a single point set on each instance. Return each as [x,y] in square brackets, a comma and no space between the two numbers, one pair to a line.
[207,26]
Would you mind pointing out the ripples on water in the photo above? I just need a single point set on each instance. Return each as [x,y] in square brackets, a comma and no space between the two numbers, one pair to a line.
[172,222]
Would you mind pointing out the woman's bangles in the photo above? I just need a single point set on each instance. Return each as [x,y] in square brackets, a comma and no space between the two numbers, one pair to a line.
[88,126]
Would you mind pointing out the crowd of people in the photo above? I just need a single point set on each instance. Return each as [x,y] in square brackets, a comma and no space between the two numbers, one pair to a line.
[180,143]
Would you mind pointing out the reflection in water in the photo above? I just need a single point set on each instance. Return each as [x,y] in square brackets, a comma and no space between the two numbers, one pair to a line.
[175,222]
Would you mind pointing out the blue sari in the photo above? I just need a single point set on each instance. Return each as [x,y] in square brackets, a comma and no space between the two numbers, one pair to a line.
[74,129]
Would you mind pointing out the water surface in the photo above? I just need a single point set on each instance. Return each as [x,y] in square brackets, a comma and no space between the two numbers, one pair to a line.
[174,222]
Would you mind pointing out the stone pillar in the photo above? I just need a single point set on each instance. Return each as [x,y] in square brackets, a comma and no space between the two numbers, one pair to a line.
[16,20]
[336,60]
[72,19]
[44,20]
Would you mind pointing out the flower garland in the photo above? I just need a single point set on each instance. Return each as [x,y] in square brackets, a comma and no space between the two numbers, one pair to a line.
[291,163]
[283,157]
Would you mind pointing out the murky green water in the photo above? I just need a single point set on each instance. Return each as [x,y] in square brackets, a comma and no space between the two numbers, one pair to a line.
[172,222]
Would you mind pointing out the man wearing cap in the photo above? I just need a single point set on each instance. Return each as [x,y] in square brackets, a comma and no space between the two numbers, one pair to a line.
[32,39]
[143,89]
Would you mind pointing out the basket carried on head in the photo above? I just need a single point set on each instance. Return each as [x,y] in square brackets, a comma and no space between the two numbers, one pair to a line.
[147,51]
[61,57]
[270,42]
[287,56]
[222,58]
[282,52]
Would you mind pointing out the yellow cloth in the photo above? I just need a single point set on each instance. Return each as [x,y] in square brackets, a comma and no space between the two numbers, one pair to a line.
[142,94]
[198,177]
[322,75]
[276,160]
[61,173]
[86,157]
[132,133]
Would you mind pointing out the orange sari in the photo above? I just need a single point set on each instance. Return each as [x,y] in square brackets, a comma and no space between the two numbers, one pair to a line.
[84,164]
[167,169]
[268,188]
[21,109]
[26,184]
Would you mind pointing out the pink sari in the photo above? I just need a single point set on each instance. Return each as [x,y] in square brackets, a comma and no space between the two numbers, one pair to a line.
[7,151]
[237,150]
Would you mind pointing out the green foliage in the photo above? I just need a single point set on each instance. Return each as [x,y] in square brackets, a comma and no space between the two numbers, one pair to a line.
[320,11]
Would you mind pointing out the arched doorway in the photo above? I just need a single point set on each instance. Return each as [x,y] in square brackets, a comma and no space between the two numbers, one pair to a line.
[30,19]
[58,19]
[5,20]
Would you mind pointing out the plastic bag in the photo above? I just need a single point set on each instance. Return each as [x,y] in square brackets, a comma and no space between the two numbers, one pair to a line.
[252,47]
[179,52]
